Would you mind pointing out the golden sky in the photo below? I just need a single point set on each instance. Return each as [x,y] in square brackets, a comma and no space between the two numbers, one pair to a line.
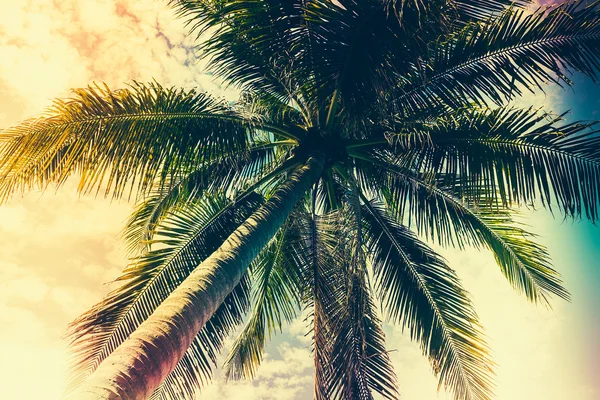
[58,249]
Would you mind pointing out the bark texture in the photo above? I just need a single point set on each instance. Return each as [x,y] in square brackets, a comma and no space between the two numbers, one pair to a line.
[137,367]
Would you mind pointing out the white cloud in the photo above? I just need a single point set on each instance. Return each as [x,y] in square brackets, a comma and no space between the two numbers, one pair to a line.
[285,373]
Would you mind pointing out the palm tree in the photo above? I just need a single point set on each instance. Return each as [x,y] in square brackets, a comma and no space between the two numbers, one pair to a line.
[363,129]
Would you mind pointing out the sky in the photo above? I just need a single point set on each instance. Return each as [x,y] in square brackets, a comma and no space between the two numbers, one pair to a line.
[58,249]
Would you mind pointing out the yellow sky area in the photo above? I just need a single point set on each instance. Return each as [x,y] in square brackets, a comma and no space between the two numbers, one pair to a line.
[57,250]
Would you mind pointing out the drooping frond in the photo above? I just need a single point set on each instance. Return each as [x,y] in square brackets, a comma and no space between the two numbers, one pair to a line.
[498,59]
[119,138]
[452,215]
[419,291]
[357,356]
[239,174]
[314,254]
[525,263]
[438,212]
[517,155]
[184,239]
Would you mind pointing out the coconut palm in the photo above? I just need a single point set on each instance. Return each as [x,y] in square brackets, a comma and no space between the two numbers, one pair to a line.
[363,130]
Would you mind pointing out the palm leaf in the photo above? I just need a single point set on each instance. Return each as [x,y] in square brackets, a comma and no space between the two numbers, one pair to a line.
[483,9]
[359,361]
[119,137]
[323,293]
[461,11]
[518,155]
[452,215]
[497,59]
[251,44]
[419,291]
[242,171]
[439,212]
[313,252]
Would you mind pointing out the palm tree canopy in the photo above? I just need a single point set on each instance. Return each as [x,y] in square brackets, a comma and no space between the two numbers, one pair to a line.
[407,104]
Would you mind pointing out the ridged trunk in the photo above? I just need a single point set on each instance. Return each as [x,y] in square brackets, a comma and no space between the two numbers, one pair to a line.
[137,367]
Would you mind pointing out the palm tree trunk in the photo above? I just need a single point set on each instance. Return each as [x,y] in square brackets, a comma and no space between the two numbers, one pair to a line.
[137,367]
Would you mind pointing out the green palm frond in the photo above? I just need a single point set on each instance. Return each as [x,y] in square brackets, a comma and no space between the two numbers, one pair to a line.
[252,44]
[452,215]
[270,108]
[497,59]
[117,138]
[361,56]
[226,174]
[275,300]
[456,11]
[440,213]
[184,239]
[483,9]
[314,253]
[419,291]
[518,155]
[525,263]
[358,359]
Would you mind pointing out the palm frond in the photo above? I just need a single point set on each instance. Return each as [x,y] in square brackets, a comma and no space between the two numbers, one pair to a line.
[419,291]
[241,171]
[518,155]
[184,239]
[271,108]
[452,215]
[311,53]
[359,358]
[457,12]
[313,253]
[481,10]
[359,361]
[498,59]
[252,44]
[439,213]
[119,138]
[359,51]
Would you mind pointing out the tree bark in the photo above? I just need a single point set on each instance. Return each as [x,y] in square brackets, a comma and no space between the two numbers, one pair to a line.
[137,367]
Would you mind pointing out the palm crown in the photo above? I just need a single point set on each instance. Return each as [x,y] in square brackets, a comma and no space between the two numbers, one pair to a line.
[362,129]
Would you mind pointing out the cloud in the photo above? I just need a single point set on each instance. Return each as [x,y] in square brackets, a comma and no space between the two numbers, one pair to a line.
[285,373]
[47,47]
